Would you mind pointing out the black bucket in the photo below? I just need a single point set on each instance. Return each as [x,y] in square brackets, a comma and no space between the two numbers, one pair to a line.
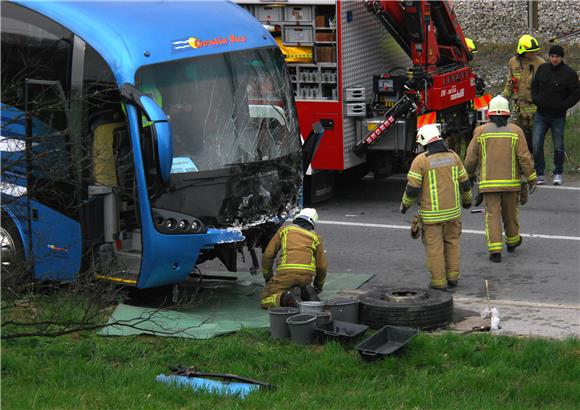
[278,326]
[323,318]
[302,328]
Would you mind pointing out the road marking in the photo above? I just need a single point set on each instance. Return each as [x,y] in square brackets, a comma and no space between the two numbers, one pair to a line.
[517,303]
[570,188]
[407,227]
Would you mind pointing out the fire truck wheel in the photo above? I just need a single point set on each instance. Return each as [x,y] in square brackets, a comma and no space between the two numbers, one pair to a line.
[14,272]
[418,308]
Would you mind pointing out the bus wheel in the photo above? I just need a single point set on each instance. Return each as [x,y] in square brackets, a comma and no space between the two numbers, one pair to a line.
[418,308]
[14,272]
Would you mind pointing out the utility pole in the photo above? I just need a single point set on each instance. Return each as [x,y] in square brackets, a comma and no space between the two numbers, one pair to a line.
[533,16]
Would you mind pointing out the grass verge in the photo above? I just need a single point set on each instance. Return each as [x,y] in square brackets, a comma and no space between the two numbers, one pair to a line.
[446,371]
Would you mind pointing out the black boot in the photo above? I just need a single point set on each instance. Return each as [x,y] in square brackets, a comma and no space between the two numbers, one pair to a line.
[442,289]
[308,293]
[292,297]
[495,257]
[451,283]
[511,248]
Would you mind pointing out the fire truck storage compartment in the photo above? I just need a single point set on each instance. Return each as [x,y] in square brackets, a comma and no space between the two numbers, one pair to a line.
[298,13]
[401,137]
[297,34]
[269,13]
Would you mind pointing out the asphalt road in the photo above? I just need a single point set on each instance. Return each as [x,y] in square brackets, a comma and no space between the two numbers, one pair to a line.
[544,269]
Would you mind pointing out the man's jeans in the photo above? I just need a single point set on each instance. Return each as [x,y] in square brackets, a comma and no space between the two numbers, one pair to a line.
[541,126]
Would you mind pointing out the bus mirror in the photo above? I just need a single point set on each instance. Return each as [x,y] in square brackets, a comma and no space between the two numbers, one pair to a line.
[162,136]
[160,129]
[311,144]
[164,148]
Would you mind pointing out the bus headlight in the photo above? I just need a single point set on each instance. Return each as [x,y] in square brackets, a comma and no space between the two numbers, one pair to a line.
[196,226]
[170,223]
[183,224]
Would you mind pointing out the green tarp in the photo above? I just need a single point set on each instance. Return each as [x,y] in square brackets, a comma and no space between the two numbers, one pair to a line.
[222,307]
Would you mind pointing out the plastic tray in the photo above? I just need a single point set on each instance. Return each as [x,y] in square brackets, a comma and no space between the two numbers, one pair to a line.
[386,341]
[341,331]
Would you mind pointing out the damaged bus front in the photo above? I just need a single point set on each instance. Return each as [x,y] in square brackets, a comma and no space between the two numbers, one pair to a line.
[189,139]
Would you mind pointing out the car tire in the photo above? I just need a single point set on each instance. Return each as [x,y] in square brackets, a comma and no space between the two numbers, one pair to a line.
[417,308]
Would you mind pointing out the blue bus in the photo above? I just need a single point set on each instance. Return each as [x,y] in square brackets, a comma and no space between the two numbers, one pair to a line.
[140,139]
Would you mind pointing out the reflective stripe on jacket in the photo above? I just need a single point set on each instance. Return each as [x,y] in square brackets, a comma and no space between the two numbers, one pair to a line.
[438,176]
[300,250]
[502,155]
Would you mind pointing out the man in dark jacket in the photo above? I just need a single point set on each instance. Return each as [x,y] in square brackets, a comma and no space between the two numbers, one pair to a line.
[555,89]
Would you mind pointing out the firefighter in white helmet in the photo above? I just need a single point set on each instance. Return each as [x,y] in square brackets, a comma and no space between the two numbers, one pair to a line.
[522,68]
[438,177]
[301,267]
[498,152]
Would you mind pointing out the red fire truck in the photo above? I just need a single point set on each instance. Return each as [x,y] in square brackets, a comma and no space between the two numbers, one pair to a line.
[372,72]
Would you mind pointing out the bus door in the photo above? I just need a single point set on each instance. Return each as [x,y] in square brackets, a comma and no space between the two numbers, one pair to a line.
[52,185]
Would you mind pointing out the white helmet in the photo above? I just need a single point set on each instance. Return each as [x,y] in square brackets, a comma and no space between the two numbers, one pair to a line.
[428,133]
[309,215]
[499,106]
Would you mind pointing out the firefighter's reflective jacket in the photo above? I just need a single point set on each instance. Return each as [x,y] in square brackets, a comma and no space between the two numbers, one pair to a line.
[502,155]
[519,80]
[444,185]
[300,250]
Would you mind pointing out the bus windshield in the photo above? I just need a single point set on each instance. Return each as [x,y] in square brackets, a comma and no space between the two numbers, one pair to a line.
[225,109]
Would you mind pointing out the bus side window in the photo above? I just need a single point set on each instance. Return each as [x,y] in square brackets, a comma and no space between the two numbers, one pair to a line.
[36,70]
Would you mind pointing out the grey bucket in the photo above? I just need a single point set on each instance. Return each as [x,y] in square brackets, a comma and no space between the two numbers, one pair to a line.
[312,306]
[302,328]
[278,326]
[344,310]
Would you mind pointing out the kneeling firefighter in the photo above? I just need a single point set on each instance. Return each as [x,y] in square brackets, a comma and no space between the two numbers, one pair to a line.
[439,176]
[301,267]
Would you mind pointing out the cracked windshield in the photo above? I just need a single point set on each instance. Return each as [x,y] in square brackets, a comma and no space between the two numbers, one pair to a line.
[225,109]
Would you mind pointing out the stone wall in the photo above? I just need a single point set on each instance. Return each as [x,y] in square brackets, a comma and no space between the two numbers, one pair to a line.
[497,25]
[502,22]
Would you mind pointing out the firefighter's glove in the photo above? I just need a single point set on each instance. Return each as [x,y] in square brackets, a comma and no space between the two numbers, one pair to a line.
[479,199]
[267,276]
[524,194]
[532,186]
[416,226]
[403,208]
[466,205]
[318,285]
[472,180]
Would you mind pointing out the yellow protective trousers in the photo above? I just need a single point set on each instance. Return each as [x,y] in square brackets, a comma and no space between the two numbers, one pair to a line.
[280,283]
[501,206]
[441,241]
[525,114]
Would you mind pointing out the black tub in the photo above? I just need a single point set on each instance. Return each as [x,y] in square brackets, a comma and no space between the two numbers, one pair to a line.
[341,331]
[386,341]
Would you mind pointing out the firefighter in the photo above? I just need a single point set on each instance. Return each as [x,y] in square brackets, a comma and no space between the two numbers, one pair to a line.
[499,153]
[301,267]
[471,46]
[522,68]
[439,177]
